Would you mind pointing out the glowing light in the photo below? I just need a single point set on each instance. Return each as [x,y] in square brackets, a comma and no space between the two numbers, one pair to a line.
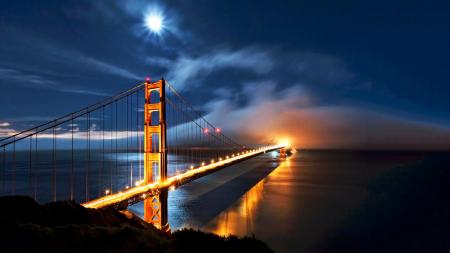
[218,130]
[172,187]
[203,163]
[126,187]
[212,161]
[147,79]
[206,130]
[154,22]
[192,166]
[284,142]
[107,192]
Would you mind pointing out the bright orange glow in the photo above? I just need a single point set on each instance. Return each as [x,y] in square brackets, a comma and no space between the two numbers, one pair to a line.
[284,142]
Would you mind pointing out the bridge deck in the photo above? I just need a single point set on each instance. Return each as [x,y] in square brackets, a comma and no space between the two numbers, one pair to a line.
[141,192]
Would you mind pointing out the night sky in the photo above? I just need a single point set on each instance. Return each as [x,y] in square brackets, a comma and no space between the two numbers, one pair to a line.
[326,74]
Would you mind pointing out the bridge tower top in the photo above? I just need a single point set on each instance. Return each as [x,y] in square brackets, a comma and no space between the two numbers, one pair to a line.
[155,134]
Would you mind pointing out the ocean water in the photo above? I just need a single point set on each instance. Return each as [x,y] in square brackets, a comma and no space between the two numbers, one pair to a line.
[291,204]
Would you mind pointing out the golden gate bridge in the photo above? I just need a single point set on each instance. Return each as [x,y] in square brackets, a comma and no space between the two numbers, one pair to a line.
[128,148]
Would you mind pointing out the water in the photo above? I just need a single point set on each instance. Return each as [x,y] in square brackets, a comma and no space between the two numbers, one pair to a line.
[290,204]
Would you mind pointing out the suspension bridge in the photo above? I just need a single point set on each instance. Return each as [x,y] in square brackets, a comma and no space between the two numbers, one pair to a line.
[131,147]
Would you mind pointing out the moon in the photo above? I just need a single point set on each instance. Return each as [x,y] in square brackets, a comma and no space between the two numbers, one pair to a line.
[154,22]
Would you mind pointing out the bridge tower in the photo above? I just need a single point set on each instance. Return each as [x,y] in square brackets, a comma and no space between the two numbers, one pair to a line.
[155,151]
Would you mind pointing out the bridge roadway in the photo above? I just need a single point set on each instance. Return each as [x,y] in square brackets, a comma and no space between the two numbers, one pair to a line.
[141,192]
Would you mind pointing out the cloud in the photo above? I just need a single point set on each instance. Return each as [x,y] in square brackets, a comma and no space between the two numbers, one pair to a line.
[37,81]
[106,67]
[46,49]
[5,129]
[273,115]
[186,68]
[69,56]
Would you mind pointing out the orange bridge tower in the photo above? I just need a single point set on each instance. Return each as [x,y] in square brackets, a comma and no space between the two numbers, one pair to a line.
[155,151]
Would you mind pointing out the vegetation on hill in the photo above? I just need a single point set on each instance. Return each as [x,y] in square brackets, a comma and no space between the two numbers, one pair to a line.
[66,226]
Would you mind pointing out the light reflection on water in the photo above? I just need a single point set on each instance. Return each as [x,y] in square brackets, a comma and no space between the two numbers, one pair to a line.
[239,218]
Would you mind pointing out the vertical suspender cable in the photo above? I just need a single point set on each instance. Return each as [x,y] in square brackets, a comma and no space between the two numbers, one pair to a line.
[36,158]
[111,148]
[102,169]
[54,164]
[116,152]
[71,160]
[4,169]
[128,165]
[30,166]
[14,168]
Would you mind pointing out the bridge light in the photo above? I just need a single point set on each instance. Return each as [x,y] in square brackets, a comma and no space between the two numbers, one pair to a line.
[220,158]
[192,166]
[107,192]
[126,187]
[205,130]
[144,195]
[172,187]
[218,130]
[227,157]
[147,80]
[212,161]
[137,183]
[203,163]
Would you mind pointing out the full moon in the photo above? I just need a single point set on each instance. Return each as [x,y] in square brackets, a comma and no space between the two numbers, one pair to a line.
[154,22]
